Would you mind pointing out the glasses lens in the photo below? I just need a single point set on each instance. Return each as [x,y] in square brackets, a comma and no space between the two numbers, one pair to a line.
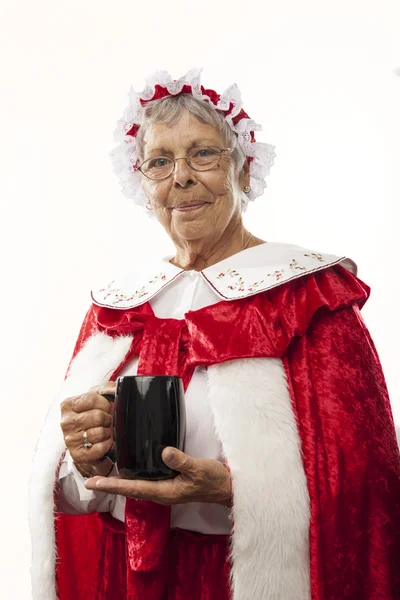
[204,158]
[200,158]
[158,168]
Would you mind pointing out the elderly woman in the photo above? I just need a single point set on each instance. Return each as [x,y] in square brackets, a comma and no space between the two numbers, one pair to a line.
[289,483]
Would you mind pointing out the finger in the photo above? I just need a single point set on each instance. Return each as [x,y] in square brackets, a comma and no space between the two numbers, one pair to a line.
[107,387]
[94,436]
[74,424]
[157,491]
[90,401]
[90,419]
[178,460]
[82,455]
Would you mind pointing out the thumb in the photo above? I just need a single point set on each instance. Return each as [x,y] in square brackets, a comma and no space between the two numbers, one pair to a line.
[176,459]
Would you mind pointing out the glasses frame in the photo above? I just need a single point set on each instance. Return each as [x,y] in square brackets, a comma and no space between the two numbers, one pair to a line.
[222,152]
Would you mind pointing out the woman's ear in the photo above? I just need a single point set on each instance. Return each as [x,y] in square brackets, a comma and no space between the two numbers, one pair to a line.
[244,176]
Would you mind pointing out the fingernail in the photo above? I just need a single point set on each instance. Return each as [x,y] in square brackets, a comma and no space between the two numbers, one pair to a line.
[170,456]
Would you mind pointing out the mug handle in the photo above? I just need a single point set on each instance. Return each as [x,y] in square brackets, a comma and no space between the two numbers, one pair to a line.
[111,453]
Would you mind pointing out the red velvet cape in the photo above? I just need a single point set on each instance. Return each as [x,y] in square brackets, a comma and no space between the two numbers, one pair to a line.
[339,397]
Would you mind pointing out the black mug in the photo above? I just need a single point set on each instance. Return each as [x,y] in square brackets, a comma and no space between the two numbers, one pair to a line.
[149,416]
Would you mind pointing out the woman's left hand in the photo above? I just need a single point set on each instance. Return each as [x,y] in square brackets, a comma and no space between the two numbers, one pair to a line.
[199,480]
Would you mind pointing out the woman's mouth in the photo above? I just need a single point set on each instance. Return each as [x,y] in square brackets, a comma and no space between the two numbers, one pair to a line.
[190,206]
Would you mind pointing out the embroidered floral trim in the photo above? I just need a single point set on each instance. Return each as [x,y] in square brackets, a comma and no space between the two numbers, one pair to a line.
[240,285]
[114,296]
[316,255]
[229,284]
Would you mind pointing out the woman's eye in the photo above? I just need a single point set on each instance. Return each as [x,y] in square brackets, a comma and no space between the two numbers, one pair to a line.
[205,152]
[159,162]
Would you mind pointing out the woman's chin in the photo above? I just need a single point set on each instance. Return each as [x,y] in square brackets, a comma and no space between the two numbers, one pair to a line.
[190,228]
[191,220]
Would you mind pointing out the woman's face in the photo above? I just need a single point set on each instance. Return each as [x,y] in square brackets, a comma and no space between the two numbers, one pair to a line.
[185,184]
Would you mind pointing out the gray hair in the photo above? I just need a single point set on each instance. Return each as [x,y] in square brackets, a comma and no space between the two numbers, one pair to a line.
[168,110]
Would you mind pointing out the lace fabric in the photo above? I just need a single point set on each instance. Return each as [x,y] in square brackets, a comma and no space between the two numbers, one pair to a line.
[124,156]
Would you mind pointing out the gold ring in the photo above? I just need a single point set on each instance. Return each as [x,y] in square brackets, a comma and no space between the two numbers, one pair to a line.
[86,443]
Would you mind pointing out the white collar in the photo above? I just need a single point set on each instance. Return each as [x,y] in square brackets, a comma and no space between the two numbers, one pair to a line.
[246,273]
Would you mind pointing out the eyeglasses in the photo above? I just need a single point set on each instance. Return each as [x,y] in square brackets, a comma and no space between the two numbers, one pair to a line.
[199,159]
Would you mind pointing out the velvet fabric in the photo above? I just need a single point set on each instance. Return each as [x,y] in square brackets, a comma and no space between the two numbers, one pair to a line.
[197,565]
[349,449]
[78,548]
[353,478]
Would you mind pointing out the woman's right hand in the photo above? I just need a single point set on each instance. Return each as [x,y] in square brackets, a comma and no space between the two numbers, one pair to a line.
[93,413]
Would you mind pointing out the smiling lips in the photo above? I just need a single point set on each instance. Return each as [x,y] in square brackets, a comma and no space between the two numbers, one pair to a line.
[193,205]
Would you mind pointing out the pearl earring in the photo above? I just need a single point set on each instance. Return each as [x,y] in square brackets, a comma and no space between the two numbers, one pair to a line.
[148,206]
[247,188]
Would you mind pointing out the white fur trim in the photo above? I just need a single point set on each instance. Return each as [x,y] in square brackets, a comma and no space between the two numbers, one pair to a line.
[255,422]
[250,403]
[96,361]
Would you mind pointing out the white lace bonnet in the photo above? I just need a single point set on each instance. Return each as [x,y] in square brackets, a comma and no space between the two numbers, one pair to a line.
[124,157]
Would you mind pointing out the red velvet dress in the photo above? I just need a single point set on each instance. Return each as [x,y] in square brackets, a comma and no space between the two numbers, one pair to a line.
[349,449]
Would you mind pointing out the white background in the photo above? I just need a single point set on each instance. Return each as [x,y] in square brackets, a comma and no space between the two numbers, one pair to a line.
[321,79]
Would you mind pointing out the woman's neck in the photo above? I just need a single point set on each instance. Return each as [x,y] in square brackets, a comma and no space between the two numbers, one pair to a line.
[199,254]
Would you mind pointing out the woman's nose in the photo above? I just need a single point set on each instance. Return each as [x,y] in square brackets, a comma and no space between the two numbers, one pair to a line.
[183,174]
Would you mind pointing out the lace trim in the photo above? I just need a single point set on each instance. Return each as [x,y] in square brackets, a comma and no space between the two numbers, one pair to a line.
[124,156]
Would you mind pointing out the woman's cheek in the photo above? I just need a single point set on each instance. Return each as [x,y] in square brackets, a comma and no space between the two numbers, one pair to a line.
[216,182]
[157,194]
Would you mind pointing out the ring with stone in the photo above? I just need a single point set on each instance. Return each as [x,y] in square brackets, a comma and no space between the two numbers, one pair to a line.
[86,443]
